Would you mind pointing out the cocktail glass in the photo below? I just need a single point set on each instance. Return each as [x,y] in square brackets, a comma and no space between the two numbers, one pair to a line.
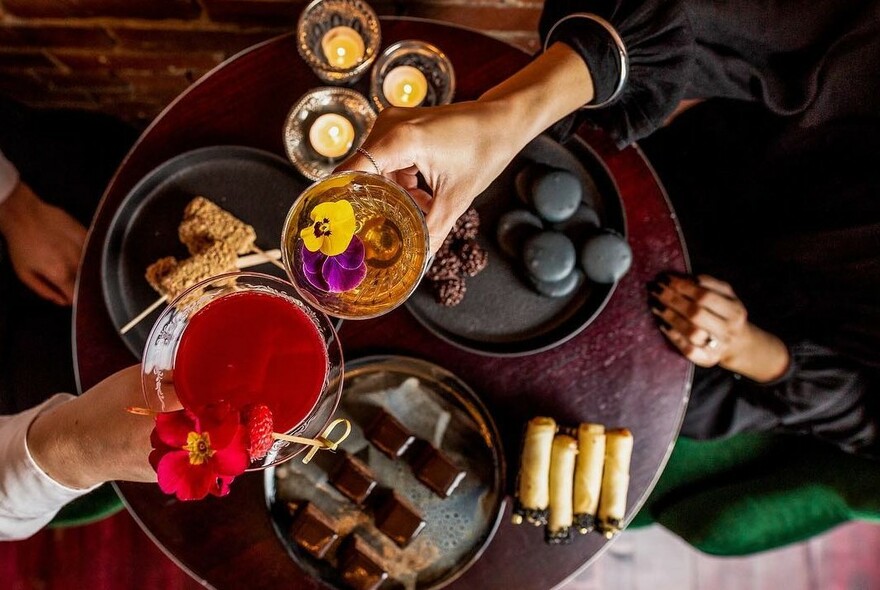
[246,338]
[355,245]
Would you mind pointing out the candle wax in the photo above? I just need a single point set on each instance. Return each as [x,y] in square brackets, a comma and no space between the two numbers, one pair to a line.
[343,47]
[405,86]
[331,135]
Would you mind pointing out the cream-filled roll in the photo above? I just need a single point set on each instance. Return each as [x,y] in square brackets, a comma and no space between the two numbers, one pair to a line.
[533,488]
[561,516]
[615,480]
[588,475]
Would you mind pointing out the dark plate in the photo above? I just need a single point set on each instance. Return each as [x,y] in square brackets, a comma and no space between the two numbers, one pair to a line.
[256,186]
[422,396]
[530,322]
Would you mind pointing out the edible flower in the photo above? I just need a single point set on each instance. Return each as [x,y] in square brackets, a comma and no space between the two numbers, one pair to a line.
[199,454]
[339,273]
[332,228]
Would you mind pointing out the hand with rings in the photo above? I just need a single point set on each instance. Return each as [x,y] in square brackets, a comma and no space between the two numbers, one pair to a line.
[705,320]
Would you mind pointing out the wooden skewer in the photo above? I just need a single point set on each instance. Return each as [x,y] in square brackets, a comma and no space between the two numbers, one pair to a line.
[272,259]
[260,257]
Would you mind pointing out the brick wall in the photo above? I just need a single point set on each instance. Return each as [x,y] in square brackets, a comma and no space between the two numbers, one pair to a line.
[131,57]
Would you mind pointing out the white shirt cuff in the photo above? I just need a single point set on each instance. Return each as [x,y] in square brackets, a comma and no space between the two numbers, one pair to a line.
[29,498]
[8,178]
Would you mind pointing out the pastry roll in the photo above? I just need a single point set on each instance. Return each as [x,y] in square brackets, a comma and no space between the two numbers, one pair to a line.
[171,277]
[588,475]
[562,460]
[533,493]
[615,480]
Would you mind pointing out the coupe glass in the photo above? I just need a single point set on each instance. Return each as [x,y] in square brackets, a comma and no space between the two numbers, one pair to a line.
[161,358]
[389,225]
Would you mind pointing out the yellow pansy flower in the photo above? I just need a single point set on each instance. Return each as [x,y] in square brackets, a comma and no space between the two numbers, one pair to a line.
[333,226]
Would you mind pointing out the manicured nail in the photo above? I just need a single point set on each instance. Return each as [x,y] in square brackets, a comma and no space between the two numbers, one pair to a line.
[656,304]
[663,324]
[655,288]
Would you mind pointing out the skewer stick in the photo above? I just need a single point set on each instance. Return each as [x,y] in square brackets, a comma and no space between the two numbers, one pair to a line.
[260,257]
[273,259]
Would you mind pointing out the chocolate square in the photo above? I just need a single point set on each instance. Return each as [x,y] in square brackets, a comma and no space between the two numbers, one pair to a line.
[398,519]
[354,479]
[361,566]
[388,435]
[313,530]
[434,469]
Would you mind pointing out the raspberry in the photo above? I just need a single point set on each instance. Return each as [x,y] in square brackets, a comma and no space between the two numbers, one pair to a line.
[259,425]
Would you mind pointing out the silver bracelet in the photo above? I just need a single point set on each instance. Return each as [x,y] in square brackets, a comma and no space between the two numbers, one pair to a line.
[621,51]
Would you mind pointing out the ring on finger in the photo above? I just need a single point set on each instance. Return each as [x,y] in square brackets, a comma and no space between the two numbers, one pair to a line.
[711,342]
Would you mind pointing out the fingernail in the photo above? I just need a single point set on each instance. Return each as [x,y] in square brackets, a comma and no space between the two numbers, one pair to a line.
[663,324]
[655,288]
[656,304]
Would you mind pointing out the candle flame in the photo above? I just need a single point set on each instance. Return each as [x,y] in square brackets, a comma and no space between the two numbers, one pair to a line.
[333,132]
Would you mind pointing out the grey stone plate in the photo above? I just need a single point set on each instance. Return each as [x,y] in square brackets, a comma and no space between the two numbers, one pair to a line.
[501,314]
[436,406]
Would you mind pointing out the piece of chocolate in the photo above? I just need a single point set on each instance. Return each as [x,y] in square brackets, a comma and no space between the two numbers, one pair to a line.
[353,479]
[313,530]
[360,565]
[388,435]
[434,469]
[398,519]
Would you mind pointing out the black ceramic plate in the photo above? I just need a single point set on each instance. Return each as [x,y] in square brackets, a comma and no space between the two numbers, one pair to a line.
[501,314]
[255,186]
[437,406]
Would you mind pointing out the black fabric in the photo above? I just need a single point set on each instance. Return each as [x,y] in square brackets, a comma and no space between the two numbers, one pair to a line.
[790,217]
[814,62]
[67,158]
[659,43]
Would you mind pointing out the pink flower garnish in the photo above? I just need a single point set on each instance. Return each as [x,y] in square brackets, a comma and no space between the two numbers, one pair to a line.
[196,455]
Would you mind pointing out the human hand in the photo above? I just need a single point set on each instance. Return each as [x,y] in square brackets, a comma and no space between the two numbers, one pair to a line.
[92,438]
[707,322]
[45,244]
[459,149]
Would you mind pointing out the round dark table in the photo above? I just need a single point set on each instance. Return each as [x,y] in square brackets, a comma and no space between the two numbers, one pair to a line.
[618,371]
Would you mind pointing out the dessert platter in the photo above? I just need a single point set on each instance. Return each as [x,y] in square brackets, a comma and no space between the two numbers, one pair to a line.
[246,194]
[413,495]
[518,232]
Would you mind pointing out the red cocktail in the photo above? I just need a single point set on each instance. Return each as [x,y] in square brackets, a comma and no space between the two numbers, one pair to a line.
[243,339]
[252,347]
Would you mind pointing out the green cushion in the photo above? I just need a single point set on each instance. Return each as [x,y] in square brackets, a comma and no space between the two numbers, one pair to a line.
[755,492]
[96,505]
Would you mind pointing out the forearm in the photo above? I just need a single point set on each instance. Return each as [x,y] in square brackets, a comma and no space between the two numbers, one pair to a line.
[29,498]
[551,87]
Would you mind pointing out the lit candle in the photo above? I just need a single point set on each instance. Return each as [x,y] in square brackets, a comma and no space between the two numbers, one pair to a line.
[343,47]
[331,135]
[405,86]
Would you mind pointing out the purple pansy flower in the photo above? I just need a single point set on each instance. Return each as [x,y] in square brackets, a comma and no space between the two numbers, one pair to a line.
[336,274]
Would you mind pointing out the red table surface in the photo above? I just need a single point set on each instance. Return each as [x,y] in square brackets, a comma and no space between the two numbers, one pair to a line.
[619,371]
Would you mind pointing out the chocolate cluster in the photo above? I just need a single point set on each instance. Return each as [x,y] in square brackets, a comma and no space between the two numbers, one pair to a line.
[459,257]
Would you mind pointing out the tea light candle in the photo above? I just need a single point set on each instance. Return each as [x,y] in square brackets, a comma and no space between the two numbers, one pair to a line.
[331,135]
[405,86]
[343,47]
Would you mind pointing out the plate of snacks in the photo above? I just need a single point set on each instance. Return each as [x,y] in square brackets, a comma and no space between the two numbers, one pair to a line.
[414,493]
[202,213]
[545,243]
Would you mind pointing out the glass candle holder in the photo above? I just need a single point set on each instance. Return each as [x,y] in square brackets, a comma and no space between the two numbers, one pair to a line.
[355,245]
[246,338]
[324,128]
[398,60]
[338,39]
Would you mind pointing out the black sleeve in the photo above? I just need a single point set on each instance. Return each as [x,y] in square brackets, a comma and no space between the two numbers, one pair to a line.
[813,61]
[822,394]
[659,43]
